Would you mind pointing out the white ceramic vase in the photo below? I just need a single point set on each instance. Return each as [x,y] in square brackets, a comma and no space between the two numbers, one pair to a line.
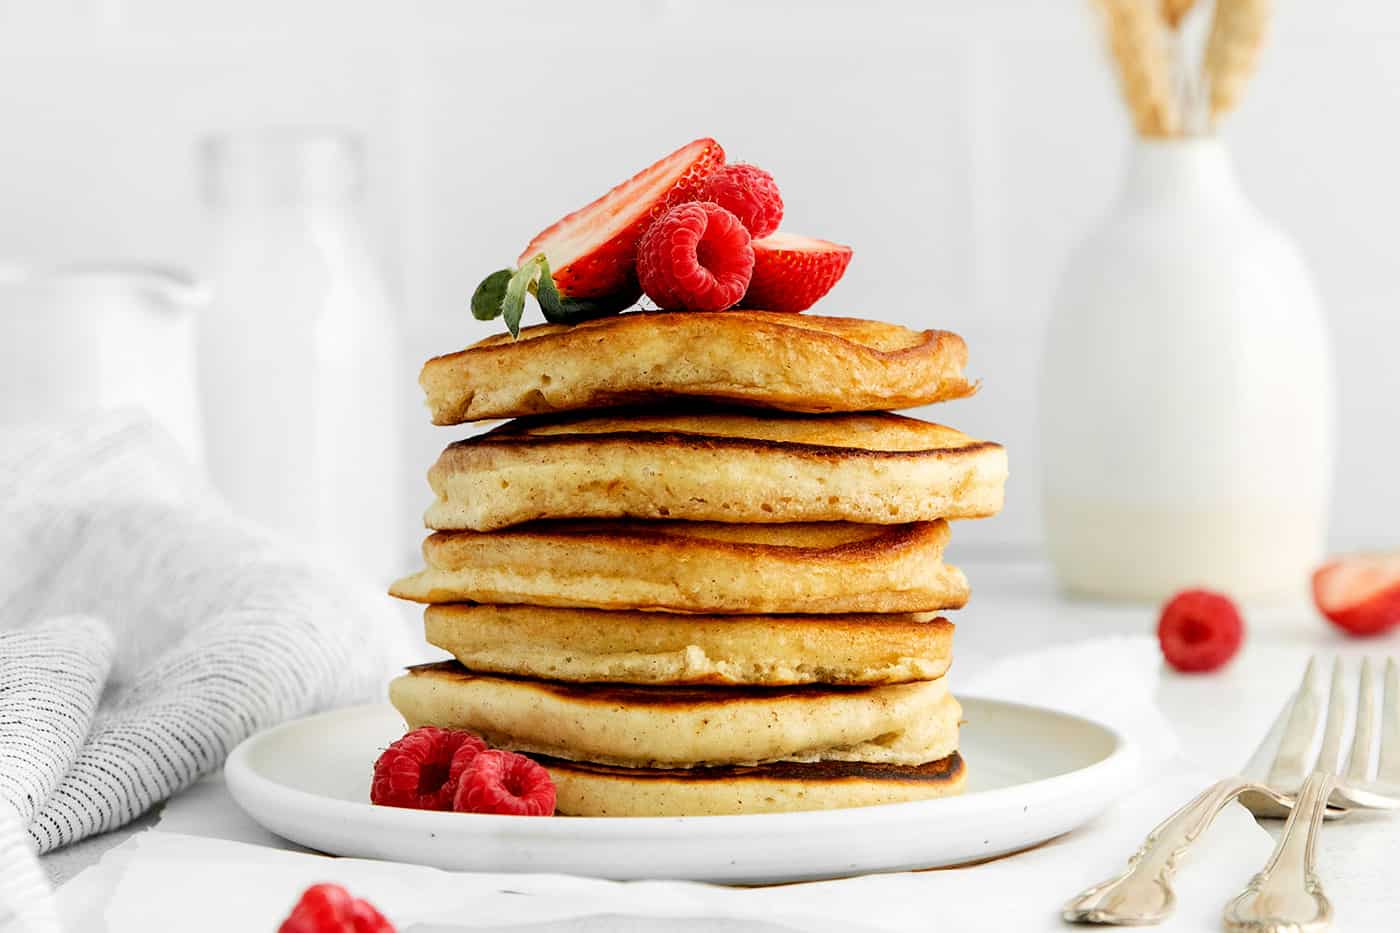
[1186,394]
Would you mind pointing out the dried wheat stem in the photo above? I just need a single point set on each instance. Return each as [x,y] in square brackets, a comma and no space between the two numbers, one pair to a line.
[1138,41]
[1232,50]
[1174,11]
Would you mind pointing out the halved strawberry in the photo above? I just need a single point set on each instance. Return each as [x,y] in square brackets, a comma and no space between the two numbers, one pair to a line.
[1360,593]
[791,272]
[593,251]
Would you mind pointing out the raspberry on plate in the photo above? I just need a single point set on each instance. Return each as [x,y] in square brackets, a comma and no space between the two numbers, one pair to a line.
[1199,631]
[421,769]
[1359,593]
[747,192]
[329,908]
[503,782]
[696,257]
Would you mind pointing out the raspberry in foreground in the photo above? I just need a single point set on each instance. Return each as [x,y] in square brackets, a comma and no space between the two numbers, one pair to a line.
[696,257]
[503,782]
[1199,631]
[420,770]
[329,908]
[749,193]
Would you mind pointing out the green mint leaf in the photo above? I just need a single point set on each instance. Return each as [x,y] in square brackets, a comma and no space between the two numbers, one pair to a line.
[486,300]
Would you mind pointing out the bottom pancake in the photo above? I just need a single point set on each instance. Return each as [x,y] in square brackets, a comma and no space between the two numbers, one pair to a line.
[603,790]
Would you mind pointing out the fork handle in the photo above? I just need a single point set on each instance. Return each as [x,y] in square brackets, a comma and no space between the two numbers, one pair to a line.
[1286,894]
[1143,892]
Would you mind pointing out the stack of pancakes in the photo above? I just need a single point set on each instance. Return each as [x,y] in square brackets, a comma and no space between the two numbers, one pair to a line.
[701,573]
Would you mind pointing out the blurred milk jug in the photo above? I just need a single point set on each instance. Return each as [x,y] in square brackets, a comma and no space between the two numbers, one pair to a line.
[1186,394]
[298,355]
[87,338]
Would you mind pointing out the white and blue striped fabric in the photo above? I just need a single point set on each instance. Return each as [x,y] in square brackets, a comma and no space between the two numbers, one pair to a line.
[144,632]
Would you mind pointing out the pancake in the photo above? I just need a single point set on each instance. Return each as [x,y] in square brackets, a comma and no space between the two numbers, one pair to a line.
[717,466]
[661,648]
[603,790]
[694,567]
[683,727]
[794,362]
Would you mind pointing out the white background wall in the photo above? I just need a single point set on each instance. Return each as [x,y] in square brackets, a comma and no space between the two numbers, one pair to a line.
[961,148]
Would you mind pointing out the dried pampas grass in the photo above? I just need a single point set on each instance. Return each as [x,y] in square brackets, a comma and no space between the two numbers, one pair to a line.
[1174,11]
[1170,92]
[1139,48]
[1232,51]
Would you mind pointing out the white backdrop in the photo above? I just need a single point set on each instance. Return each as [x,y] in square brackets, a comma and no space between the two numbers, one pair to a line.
[961,149]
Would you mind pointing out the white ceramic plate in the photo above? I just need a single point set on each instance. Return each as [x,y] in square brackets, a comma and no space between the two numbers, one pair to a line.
[1032,775]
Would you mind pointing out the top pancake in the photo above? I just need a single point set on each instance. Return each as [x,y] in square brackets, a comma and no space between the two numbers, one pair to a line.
[767,359]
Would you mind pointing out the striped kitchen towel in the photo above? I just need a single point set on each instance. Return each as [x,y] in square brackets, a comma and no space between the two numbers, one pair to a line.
[144,631]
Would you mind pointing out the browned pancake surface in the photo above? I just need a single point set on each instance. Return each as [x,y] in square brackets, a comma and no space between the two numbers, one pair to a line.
[942,771]
[794,362]
[655,697]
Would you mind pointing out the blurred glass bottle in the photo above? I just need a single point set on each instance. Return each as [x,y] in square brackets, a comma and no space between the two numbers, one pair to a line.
[298,356]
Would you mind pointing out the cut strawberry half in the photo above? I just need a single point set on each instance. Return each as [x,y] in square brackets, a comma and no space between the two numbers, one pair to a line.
[1360,593]
[791,272]
[592,252]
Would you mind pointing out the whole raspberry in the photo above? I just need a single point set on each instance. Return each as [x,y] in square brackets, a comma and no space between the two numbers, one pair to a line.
[461,759]
[1199,631]
[421,769]
[696,257]
[503,782]
[329,908]
[749,193]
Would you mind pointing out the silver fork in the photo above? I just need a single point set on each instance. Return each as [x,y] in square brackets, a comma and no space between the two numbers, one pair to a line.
[1268,784]
[1286,895]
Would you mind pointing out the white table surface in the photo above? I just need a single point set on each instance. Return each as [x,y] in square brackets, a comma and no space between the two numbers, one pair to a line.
[1218,717]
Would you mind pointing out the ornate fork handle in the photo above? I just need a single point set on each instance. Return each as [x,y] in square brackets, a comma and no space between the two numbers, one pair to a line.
[1142,893]
[1286,896]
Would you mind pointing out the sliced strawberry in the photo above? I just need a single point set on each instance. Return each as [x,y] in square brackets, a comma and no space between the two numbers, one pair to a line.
[791,272]
[1360,593]
[593,251]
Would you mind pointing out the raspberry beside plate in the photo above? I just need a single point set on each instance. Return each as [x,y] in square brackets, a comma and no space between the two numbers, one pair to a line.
[329,908]
[1199,631]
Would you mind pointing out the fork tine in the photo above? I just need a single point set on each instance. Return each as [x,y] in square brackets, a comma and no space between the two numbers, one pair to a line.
[1329,758]
[1363,740]
[1390,725]
[1291,763]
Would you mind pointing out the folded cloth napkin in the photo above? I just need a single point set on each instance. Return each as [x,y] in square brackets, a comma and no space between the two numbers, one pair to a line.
[144,631]
[161,878]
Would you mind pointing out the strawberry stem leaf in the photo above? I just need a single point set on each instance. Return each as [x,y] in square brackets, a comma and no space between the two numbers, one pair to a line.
[559,310]
[547,294]
[502,295]
[486,300]
[525,280]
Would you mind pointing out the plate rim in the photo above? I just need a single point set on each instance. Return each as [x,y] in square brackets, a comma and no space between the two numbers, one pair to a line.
[242,777]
